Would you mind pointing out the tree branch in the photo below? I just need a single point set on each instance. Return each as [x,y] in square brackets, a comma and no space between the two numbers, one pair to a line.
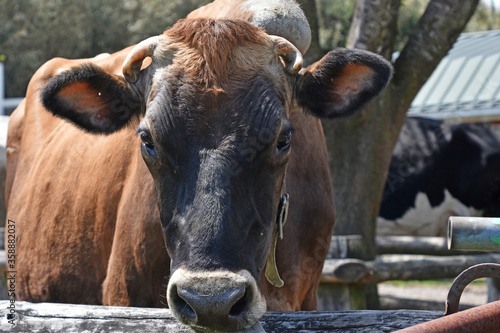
[437,30]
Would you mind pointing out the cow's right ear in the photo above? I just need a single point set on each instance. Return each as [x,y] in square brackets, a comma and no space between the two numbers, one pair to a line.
[342,82]
[92,99]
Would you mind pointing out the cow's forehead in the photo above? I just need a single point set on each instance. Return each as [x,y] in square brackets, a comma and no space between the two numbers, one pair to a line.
[214,51]
[179,110]
[222,76]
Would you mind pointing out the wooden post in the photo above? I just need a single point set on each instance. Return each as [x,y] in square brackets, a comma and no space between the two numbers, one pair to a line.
[347,296]
[493,289]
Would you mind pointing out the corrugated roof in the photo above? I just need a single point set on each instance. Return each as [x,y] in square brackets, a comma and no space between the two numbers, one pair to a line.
[466,83]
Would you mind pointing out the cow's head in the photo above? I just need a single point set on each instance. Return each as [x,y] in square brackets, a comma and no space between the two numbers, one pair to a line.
[216,134]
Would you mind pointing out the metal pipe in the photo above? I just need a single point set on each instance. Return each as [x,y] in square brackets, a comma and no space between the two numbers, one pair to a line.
[466,277]
[481,319]
[474,233]
[2,88]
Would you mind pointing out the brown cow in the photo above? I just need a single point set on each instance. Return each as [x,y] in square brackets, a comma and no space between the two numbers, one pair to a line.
[188,186]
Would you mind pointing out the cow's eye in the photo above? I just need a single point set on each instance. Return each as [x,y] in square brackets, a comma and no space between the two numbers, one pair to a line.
[147,142]
[284,140]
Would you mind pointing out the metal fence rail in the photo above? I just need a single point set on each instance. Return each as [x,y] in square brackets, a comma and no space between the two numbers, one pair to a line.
[6,103]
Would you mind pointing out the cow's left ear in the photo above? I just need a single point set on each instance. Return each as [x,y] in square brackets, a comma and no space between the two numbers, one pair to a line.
[342,82]
[91,98]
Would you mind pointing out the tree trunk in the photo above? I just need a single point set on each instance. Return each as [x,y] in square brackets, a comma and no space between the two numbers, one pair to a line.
[361,146]
[375,26]
[314,52]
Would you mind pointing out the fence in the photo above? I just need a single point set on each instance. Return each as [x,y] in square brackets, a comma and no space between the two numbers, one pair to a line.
[6,103]
[398,258]
[404,258]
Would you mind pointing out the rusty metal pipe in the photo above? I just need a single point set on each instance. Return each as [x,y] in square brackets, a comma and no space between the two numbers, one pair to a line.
[481,319]
[473,233]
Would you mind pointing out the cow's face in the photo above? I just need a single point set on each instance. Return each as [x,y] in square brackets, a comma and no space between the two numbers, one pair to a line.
[216,137]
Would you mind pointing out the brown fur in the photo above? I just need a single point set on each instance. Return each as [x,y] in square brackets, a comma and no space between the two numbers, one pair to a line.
[67,220]
[211,53]
[92,218]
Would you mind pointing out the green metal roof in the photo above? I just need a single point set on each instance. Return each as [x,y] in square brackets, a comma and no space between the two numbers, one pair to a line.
[466,83]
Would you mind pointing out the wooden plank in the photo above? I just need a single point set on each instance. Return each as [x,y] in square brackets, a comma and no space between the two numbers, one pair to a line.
[436,246]
[344,270]
[342,247]
[416,267]
[51,317]
[401,267]
[344,321]
[350,246]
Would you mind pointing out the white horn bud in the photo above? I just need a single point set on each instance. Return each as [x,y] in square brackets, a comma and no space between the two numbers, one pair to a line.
[290,56]
[133,62]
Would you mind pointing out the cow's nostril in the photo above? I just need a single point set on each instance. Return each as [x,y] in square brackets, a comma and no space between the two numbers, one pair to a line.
[182,306]
[240,307]
[216,308]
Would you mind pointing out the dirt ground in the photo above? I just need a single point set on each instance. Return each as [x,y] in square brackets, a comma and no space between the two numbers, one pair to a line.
[428,297]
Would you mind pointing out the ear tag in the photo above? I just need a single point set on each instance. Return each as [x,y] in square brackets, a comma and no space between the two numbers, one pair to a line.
[272,273]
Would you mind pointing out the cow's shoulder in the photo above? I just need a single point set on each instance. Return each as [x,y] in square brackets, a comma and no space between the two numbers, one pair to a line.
[419,140]
[479,138]
[416,157]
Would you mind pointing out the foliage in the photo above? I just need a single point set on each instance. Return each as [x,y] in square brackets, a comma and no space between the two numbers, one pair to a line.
[409,14]
[484,18]
[34,31]
[334,20]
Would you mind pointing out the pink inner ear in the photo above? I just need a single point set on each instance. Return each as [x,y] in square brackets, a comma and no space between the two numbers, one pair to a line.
[352,80]
[82,98]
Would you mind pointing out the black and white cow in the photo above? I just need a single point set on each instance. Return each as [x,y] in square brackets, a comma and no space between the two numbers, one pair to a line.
[438,170]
